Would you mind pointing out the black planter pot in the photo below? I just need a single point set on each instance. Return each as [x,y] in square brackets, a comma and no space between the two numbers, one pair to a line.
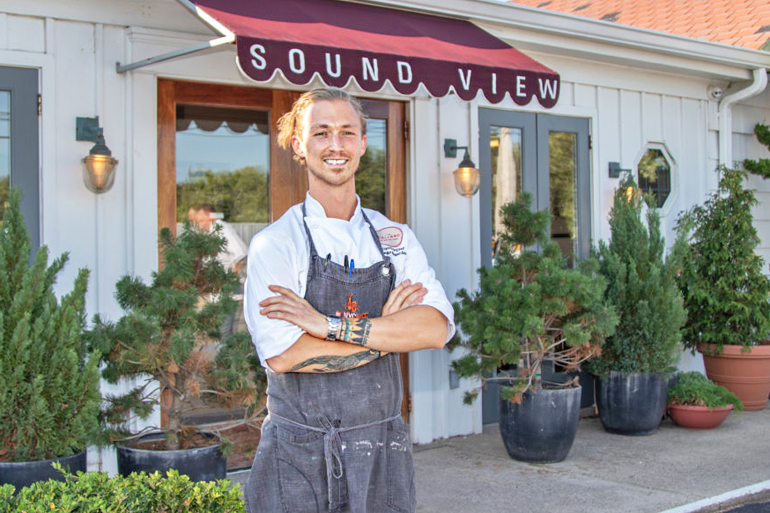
[543,427]
[631,404]
[585,378]
[24,473]
[200,464]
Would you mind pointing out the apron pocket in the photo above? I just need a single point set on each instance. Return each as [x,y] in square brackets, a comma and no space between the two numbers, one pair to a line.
[398,451]
[301,469]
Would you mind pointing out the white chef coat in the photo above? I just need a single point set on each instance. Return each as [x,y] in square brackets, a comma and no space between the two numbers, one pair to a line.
[235,249]
[279,254]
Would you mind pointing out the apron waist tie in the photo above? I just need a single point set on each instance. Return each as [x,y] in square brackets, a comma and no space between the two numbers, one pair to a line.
[332,449]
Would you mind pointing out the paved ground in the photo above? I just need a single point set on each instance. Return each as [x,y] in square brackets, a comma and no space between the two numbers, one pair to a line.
[674,471]
[668,470]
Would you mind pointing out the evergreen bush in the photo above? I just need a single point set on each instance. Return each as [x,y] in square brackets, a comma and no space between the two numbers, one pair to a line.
[96,492]
[170,339]
[725,292]
[49,384]
[641,287]
[530,308]
[695,389]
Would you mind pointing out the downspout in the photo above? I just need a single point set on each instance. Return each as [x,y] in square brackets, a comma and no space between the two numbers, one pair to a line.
[726,114]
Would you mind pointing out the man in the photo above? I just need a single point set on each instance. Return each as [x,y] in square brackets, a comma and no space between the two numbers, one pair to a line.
[235,249]
[333,293]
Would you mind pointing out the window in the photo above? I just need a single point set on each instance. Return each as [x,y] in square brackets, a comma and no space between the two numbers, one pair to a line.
[654,174]
[19,160]
[546,156]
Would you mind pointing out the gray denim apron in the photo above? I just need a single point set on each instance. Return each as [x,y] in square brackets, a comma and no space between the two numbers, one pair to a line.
[336,441]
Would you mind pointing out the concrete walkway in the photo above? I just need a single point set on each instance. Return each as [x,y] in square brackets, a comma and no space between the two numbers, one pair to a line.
[673,469]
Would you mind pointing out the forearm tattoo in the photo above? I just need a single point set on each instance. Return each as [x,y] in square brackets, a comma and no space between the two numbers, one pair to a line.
[355,331]
[322,364]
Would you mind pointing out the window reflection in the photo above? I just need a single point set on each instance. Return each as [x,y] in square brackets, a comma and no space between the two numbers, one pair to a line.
[505,145]
[655,175]
[562,148]
[371,177]
[222,158]
[5,148]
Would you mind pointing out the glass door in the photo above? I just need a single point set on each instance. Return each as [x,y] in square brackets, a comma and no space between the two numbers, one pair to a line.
[548,157]
[217,145]
[223,159]
[19,152]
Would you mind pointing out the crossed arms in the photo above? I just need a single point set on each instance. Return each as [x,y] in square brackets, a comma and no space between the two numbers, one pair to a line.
[405,325]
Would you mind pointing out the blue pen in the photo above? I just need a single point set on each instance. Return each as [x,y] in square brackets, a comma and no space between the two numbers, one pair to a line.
[352,266]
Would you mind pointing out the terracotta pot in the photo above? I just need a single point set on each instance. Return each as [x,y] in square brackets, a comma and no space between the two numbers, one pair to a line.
[746,374]
[698,417]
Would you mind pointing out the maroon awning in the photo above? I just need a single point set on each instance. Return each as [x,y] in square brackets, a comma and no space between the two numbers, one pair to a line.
[340,41]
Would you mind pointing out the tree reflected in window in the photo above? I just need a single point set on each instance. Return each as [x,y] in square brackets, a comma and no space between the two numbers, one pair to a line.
[655,175]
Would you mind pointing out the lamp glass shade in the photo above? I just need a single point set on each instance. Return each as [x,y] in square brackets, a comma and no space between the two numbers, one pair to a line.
[99,172]
[467,180]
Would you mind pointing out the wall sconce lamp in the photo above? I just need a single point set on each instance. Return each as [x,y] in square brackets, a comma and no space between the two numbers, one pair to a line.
[99,165]
[615,170]
[467,177]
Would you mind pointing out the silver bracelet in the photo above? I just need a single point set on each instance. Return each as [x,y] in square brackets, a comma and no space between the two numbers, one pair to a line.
[333,328]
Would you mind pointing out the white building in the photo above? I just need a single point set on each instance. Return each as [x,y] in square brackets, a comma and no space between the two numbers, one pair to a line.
[620,93]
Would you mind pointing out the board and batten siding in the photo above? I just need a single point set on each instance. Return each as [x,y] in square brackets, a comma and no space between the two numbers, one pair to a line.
[116,232]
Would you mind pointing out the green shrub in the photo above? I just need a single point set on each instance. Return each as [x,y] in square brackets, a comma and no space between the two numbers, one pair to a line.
[695,389]
[96,492]
[49,384]
[641,287]
[725,291]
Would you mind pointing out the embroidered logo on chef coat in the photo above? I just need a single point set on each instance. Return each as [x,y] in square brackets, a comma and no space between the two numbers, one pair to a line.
[391,239]
[352,310]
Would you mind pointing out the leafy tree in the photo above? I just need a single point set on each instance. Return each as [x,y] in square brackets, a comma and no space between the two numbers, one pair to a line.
[371,180]
[49,384]
[561,148]
[242,196]
[760,167]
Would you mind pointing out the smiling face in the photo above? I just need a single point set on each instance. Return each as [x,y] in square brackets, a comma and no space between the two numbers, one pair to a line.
[331,142]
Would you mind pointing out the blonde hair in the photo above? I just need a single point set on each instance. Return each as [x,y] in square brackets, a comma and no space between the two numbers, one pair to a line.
[290,125]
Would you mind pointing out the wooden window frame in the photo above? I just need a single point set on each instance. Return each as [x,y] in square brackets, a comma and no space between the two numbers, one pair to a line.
[288,179]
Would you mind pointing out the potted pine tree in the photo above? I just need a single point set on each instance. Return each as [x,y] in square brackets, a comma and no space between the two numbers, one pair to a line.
[725,292]
[170,343]
[49,383]
[632,369]
[531,309]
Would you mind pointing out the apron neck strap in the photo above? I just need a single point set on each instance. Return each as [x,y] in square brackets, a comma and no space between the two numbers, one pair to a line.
[314,252]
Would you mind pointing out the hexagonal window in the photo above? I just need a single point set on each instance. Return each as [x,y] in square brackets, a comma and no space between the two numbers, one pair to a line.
[654,175]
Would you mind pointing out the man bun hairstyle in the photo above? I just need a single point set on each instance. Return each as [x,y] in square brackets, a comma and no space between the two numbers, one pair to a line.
[290,125]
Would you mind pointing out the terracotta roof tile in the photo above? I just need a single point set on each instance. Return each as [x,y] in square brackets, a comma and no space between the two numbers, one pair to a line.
[735,22]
